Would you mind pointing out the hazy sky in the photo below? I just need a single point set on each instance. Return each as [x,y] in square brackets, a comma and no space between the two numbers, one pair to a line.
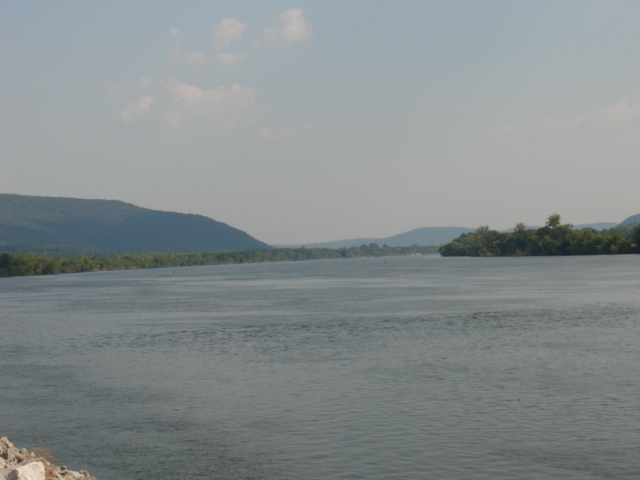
[314,121]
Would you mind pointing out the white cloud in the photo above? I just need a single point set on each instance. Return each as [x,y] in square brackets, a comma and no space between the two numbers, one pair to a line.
[174,44]
[291,29]
[227,31]
[618,115]
[193,110]
[219,108]
[196,58]
[138,109]
[271,135]
[144,83]
[228,58]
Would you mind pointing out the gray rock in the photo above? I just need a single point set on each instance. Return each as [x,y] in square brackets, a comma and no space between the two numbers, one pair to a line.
[4,472]
[31,471]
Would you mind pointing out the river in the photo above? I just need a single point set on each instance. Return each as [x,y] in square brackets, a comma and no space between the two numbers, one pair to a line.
[388,368]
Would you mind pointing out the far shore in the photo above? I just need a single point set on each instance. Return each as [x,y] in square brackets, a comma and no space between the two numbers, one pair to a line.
[26,264]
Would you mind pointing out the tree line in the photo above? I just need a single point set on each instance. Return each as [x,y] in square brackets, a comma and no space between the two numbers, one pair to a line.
[22,264]
[554,238]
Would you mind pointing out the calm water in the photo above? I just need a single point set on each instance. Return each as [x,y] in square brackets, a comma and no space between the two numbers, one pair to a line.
[420,367]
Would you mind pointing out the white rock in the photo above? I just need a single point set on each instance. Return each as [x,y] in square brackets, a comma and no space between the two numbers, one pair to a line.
[31,471]
[71,475]
[5,441]
[10,454]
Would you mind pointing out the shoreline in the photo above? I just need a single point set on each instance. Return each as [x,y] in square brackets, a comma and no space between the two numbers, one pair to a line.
[19,463]
[28,264]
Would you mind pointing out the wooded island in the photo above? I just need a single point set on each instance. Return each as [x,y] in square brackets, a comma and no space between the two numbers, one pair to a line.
[554,238]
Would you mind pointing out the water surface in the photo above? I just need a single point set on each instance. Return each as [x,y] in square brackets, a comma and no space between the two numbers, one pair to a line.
[399,368]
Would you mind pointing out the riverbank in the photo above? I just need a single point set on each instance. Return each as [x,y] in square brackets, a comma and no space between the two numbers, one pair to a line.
[19,463]
[26,264]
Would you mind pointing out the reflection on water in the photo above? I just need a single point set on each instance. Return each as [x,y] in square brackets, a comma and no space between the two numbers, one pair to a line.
[420,367]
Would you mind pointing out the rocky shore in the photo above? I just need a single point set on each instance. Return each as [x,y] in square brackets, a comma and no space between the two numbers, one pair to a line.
[20,464]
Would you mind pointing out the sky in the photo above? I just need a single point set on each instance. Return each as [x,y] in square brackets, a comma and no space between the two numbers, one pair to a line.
[302,122]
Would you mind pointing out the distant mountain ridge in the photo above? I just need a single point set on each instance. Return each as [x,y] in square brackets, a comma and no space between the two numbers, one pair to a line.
[424,237]
[61,226]
[597,226]
[594,226]
[30,223]
[631,221]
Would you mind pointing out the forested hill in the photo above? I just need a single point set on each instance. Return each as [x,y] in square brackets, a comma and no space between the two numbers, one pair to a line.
[631,221]
[44,224]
